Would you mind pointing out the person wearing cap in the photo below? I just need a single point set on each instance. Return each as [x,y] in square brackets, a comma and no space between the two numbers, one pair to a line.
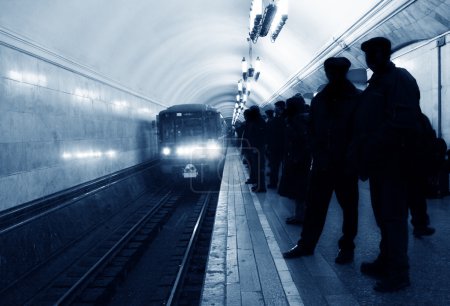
[331,126]
[387,121]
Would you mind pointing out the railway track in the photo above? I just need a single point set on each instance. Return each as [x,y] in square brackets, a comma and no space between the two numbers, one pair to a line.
[101,262]
[93,277]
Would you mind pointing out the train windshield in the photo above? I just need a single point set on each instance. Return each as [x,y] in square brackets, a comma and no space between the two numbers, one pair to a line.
[186,127]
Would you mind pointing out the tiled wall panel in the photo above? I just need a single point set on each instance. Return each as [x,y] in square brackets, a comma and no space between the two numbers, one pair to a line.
[445,90]
[59,128]
[423,64]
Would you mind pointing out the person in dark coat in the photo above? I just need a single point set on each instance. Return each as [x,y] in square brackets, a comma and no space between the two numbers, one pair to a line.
[297,157]
[331,127]
[245,145]
[275,143]
[388,123]
[257,142]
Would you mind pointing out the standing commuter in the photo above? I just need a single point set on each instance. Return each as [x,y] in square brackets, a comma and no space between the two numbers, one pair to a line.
[245,145]
[297,157]
[269,115]
[331,127]
[257,141]
[239,133]
[388,125]
[275,143]
[269,120]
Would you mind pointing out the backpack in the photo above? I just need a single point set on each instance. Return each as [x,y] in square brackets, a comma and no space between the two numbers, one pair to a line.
[427,157]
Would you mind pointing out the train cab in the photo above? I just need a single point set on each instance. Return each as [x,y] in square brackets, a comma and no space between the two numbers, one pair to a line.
[192,141]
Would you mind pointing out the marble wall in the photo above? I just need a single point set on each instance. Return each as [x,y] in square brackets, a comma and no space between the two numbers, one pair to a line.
[422,63]
[60,127]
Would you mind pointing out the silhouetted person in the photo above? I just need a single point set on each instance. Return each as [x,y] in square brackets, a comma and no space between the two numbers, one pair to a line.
[331,126]
[275,143]
[297,157]
[438,179]
[245,144]
[420,182]
[269,115]
[239,129]
[256,138]
[388,122]
[269,118]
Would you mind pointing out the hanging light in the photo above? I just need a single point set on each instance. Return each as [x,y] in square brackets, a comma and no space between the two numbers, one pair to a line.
[244,69]
[240,86]
[269,14]
[271,20]
[279,20]
[257,68]
[256,13]
[238,98]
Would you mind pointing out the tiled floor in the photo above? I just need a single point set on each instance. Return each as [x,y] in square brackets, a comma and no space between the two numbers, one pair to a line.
[246,267]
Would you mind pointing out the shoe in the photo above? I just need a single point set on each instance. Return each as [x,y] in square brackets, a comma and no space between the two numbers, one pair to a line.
[374,269]
[423,231]
[392,284]
[294,220]
[297,251]
[344,257]
[272,186]
[258,189]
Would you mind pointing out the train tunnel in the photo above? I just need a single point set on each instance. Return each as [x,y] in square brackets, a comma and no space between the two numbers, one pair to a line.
[82,84]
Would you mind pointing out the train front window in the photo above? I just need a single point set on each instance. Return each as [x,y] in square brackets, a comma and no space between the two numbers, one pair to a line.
[189,128]
[185,126]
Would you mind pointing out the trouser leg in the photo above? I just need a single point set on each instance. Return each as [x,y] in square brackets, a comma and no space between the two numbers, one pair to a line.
[390,196]
[418,204]
[347,195]
[275,163]
[261,173]
[302,186]
[253,167]
[320,192]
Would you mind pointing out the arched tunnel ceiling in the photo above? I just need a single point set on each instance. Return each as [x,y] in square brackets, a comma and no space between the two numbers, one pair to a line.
[180,51]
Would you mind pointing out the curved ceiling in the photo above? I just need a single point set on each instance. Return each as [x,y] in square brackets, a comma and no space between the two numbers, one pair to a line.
[180,51]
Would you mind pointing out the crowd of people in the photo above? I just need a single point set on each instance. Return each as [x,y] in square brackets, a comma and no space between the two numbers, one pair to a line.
[379,134]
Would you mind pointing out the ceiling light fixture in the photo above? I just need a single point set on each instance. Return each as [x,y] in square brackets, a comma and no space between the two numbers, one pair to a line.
[250,75]
[272,19]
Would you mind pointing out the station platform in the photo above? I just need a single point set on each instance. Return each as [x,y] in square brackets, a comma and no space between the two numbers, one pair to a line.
[246,267]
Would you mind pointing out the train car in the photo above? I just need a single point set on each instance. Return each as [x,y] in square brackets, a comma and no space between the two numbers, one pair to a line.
[192,141]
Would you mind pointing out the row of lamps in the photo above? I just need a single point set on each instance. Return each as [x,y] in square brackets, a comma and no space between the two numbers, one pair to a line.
[263,20]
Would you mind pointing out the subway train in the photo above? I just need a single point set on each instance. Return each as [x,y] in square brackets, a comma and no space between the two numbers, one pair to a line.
[192,141]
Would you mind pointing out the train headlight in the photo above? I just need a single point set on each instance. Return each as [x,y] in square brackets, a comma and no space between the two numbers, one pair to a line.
[213,149]
[184,150]
[166,151]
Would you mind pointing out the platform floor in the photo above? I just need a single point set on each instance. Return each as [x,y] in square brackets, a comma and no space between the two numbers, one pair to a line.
[245,265]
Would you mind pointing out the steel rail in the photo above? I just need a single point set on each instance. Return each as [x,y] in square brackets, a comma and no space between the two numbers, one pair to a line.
[185,263]
[82,282]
